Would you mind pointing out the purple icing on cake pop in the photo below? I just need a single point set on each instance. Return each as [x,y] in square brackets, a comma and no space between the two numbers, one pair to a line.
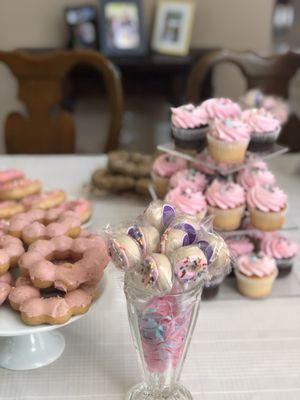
[189,229]
[207,249]
[168,215]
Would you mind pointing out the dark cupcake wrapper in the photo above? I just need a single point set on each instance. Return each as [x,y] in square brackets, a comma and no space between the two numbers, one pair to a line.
[268,137]
[190,134]
[284,266]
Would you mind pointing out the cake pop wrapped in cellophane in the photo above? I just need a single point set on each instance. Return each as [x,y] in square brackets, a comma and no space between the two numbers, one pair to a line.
[217,253]
[159,214]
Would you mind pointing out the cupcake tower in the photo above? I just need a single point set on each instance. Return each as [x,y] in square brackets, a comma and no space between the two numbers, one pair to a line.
[248,199]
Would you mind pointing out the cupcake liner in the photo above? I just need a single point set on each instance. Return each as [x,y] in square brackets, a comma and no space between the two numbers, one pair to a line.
[193,139]
[254,286]
[284,266]
[268,137]
[267,221]
[190,134]
[226,220]
[227,152]
[161,185]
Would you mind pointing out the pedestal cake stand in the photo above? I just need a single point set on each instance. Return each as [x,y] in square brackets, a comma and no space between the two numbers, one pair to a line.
[24,347]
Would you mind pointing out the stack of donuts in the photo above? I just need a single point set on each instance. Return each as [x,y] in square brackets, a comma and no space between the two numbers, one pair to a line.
[19,194]
[49,267]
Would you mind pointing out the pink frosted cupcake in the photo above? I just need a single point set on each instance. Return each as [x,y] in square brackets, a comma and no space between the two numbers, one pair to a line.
[267,206]
[228,141]
[255,274]
[239,245]
[163,168]
[256,173]
[189,126]
[188,201]
[226,202]
[281,249]
[189,178]
[265,128]
[221,108]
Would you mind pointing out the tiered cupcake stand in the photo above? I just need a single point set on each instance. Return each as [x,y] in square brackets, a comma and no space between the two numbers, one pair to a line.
[227,171]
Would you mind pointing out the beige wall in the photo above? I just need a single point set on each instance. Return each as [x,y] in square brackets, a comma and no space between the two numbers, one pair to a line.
[237,24]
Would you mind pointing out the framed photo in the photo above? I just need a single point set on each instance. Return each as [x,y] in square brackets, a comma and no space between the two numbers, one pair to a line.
[122,28]
[173,26]
[82,26]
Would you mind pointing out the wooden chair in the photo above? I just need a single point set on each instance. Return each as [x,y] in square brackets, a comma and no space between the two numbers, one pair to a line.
[47,128]
[271,74]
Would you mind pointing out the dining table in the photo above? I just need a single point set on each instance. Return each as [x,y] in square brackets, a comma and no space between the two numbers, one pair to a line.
[242,349]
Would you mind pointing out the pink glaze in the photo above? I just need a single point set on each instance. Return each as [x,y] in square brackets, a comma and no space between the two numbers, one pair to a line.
[253,174]
[256,265]
[8,204]
[276,106]
[260,120]
[10,175]
[5,286]
[34,199]
[278,246]
[19,221]
[54,307]
[188,178]
[221,108]
[187,200]
[239,246]
[225,195]
[230,130]
[188,117]
[92,253]
[166,165]
[10,248]
[79,206]
[163,328]
[20,183]
[266,198]
[201,162]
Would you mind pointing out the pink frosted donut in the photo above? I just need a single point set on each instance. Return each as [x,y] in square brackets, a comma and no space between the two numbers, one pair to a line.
[44,200]
[81,207]
[12,174]
[11,249]
[18,189]
[56,309]
[78,260]
[5,286]
[34,225]
[9,208]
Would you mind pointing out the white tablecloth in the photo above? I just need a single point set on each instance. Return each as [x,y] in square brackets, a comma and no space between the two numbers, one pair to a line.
[241,349]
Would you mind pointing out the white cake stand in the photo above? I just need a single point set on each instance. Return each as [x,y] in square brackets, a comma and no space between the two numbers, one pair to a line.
[24,347]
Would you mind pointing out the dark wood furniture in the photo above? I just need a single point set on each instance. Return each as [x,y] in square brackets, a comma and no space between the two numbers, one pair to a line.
[47,128]
[271,74]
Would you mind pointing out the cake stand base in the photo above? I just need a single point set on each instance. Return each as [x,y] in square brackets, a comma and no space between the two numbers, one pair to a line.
[140,392]
[31,351]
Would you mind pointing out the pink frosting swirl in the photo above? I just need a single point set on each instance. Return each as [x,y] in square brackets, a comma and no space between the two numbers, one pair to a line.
[239,245]
[260,120]
[266,198]
[189,201]
[256,265]
[230,130]
[253,175]
[188,117]
[278,246]
[221,108]
[225,195]
[166,165]
[189,178]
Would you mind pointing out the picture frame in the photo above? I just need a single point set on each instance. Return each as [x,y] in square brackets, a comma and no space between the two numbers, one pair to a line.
[122,32]
[82,23]
[173,26]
